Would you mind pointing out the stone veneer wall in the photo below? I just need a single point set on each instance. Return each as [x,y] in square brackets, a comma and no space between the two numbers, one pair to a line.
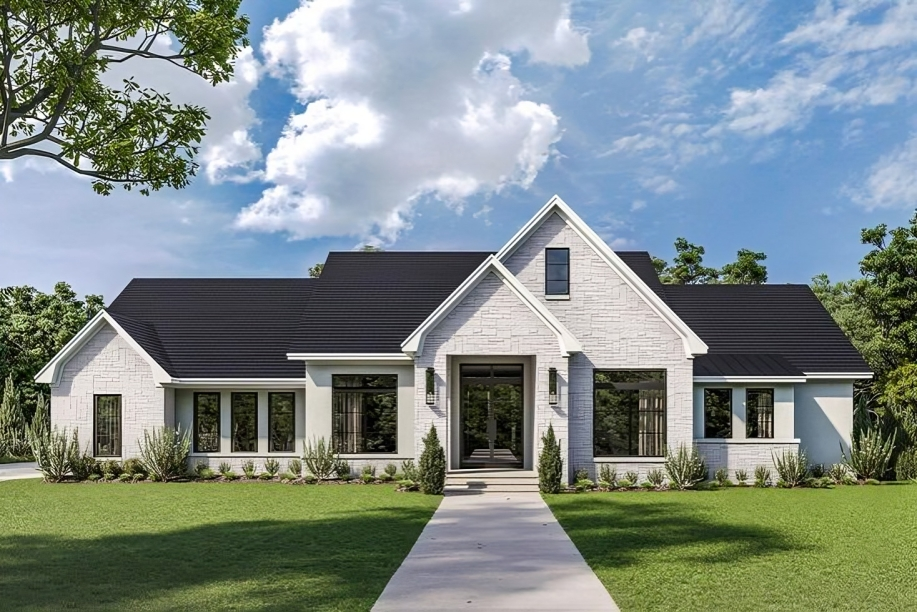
[617,329]
[742,455]
[491,320]
[107,364]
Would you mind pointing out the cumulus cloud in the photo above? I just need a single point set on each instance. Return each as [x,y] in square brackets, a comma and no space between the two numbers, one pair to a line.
[891,182]
[403,102]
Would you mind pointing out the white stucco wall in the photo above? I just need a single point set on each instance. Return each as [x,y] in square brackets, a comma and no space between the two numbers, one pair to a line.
[184,414]
[107,364]
[491,320]
[824,419]
[617,330]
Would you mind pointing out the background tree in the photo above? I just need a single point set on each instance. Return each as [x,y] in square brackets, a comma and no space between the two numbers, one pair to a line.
[745,270]
[34,326]
[688,266]
[316,270]
[55,104]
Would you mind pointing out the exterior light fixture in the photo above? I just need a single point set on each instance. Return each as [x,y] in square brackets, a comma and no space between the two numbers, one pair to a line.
[431,386]
[552,385]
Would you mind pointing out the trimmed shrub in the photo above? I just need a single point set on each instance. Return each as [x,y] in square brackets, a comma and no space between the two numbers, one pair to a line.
[94,477]
[294,466]
[203,471]
[367,478]
[309,479]
[410,471]
[248,468]
[721,477]
[817,470]
[632,477]
[741,477]
[581,474]
[225,468]
[685,467]
[550,463]
[762,476]
[656,478]
[320,458]
[124,477]
[230,475]
[906,466]
[839,473]
[83,464]
[870,453]
[370,469]
[133,466]
[265,476]
[407,485]
[386,477]
[792,468]
[584,484]
[111,467]
[138,477]
[391,469]
[624,484]
[287,477]
[164,453]
[271,467]
[14,440]
[608,475]
[432,464]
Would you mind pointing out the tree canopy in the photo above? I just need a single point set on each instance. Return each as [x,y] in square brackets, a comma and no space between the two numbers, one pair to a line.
[55,102]
[688,267]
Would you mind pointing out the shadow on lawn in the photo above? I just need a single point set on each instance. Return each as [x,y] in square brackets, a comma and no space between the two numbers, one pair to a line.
[341,564]
[611,534]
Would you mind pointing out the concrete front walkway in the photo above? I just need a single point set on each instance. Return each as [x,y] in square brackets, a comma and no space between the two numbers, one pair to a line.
[495,551]
[15,471]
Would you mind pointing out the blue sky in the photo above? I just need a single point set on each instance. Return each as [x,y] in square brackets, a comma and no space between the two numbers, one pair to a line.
[783,127]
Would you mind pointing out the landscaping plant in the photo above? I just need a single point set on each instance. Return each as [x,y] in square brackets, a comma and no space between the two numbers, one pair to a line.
[839,473]
[721,477]
[320,458]
[432,464]
[906,466]
[51,450]
[685,467]
[13,438]
[294,466]
[248,468]
[741,477]
[870,453]
[607,474]
[164,453]
[762,477]
[410,471]
[792,467]
[632,477]
[342,469]
[132,466]
[656,478]
[271,467]
[225,468]
[391,469]
[550,463]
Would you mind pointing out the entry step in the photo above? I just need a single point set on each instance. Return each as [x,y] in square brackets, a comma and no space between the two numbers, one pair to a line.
[491,481]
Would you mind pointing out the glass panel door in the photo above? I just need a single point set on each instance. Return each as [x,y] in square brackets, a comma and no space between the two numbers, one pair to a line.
[491,416]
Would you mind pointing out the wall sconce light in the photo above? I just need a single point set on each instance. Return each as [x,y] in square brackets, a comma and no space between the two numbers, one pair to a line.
[552,385]
[431,386]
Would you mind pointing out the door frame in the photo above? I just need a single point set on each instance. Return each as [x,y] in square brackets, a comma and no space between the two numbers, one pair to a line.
[453,452]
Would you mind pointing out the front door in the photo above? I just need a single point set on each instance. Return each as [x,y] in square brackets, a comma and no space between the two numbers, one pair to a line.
[491,415]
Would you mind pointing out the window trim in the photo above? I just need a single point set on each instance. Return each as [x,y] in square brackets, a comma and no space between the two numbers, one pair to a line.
[194,419]
[95,424]
[363,391]
[547,265]
[665,416]
[232,422]
[270,421]
[731,412]
[772,392]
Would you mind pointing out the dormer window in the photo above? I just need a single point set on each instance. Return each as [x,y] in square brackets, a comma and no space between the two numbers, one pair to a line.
[557,272]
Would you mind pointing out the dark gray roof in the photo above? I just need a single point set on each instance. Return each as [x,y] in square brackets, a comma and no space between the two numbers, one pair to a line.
[371,302]
[781,320]
[215,327]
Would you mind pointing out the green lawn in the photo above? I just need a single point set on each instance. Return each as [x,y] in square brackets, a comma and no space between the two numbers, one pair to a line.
[202,546]
[849,548]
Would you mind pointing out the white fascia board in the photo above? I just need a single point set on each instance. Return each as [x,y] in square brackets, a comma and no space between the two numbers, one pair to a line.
[339,357]
[692,343]
[750,379]
[568,344]
[839,375]
[240,383]
[51,373]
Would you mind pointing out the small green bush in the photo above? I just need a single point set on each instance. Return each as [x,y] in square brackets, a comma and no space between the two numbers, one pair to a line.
[604,485]
[367,478]
[94,477]
[133,466]
[225,468]
[632,476]
[370,469]
[124,477]
[906,465]
[391,469]
[342,469]
[656,478]
[721,477]
[271,467]
[320,458]
[112,467]
[685,467]
[741,477]
[870,453]
[346,476]
[248,468]
[817,470]
[310,479]
[624,484]
[164,453]
[199,468]
[230,475]
[871,481]
[791,466]
[410,471]
[607,474]
[265,476]
[432,464]
[138,477]
[581,474]
[287,477]
[82,465]
[762,477]
[647,485]
[408,485]
[550,463]
[386,477]
[52,453]
[839,473]
[294,466]
[584,484]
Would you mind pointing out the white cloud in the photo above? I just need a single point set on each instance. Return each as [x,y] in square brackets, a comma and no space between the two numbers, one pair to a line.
[660,185]
[891,182]
[637,205]
[406,102]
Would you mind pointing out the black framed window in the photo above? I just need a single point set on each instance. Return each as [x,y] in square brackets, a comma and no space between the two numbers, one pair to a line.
[206,422]
[717,413]
[107,425]
[365,413]
[759,413]
[629,413]
[281,422]
[557,271]
[244,417]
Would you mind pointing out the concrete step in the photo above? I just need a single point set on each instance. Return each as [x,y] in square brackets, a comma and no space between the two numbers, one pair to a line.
[491,481]
[490,488]
[475,480]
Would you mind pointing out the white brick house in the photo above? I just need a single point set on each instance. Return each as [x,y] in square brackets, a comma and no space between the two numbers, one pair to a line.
[555,328]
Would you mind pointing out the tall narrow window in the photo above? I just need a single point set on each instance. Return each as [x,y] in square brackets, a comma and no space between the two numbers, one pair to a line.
[365,413]
[281,422]
[557,272]
[759,413]
[206,422]
[717,413]
[244,422]
[107,426]
[629,413]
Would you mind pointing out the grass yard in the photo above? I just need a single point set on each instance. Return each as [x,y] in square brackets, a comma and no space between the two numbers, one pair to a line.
[202,546]
[848,548]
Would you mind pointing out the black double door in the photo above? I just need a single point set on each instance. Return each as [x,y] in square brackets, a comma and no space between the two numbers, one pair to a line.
[492,416]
